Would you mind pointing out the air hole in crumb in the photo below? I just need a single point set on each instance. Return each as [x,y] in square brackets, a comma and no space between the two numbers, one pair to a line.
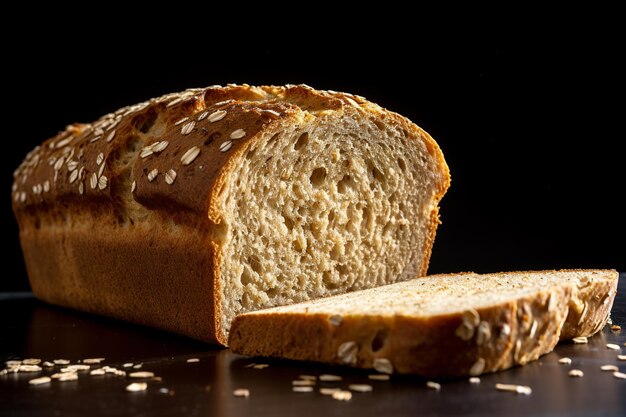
[37,223]
[401,164]
[379,124]
[246,276]
[288,222]
[255,264]
[378,176]
[342,269]
[331,216]
[343,184]
[212,137]
[273,138]
[318,177]
[145,122]
[250,154]
[327,277]
[335,253]
[302,141]
[387,229]
[379,340]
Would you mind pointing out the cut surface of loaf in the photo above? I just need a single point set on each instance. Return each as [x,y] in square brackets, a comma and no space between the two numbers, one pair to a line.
[441,325]
[188,209]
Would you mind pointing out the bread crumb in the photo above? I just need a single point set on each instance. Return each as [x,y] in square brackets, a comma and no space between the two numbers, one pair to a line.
[93,361]
[302,382]
[141,374]
[616,328]
[329,391]
[329,378]
[433,385]
[360,387]
[241,392]
[518,389]
[137,386]
[40,381]
[342,395]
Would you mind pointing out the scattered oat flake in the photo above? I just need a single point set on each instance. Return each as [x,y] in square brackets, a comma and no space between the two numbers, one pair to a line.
[100,371]
[576,373]
[519,389]
[611,368]
[580,340]
[474,380]
[68,376]
[47,364]
[261,366]
[138,366]
[40,381]
[565,361]
[433,385]
[378,377]
[137,386]
[302,389]
[74,368]
[250,365]
[29,368]
[342,395]
[329,391]
[93,361]
[127,365]
[241,392]
[13,363]
[616,328]
[141,374]
[360,387]
[383,365]
[302,382]
[329,378]
[308,377]
[612,346]
[621,357]
[619,375]
[193,360]
[31,361]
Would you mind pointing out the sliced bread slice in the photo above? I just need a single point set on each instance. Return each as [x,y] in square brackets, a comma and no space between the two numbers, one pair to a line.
[442,325]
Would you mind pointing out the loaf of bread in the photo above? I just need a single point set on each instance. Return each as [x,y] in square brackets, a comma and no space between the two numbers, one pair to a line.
[442,325]
[185,210]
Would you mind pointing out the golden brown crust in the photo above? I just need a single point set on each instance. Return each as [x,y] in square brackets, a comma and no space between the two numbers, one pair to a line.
[514,333]
[150,175]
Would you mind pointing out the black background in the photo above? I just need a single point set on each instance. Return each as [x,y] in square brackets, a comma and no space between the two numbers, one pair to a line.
[529,115]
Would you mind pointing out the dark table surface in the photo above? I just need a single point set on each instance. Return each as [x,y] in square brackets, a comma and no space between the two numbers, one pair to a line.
[32,329]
